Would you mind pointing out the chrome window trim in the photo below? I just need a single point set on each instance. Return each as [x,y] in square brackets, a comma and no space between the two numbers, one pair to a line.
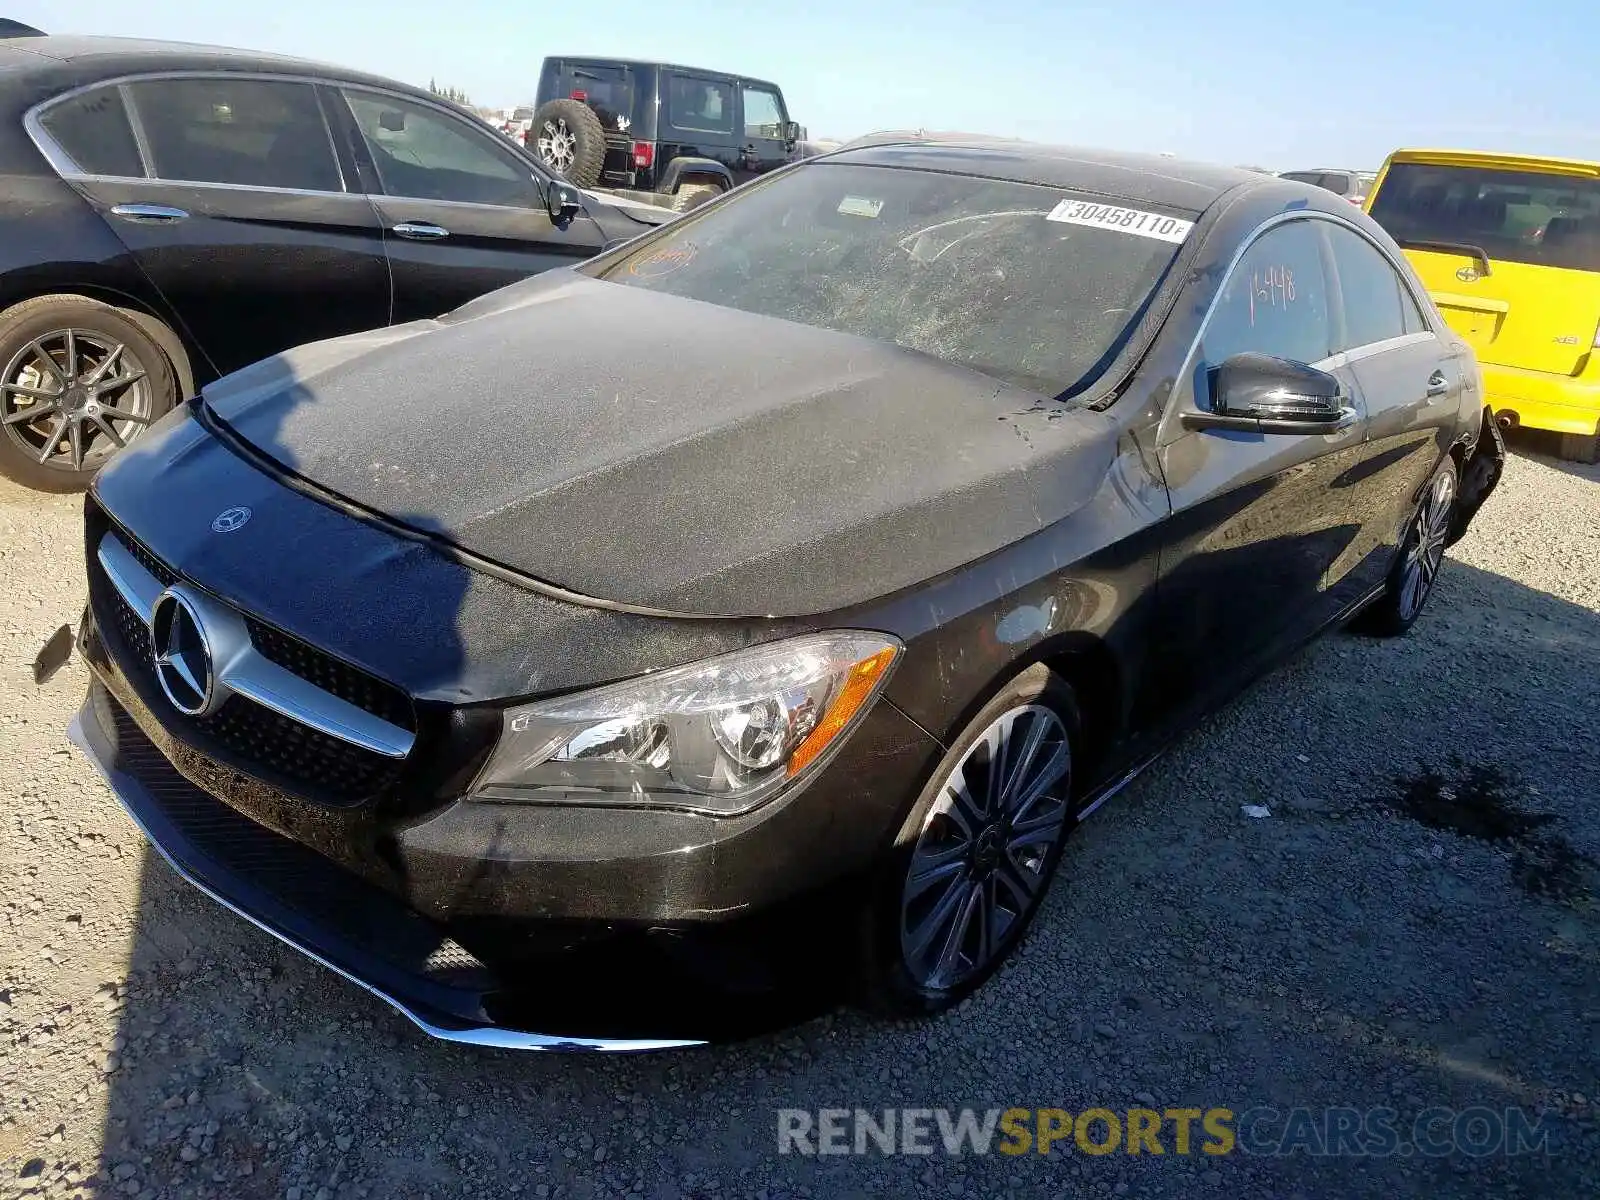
[541,181]
[245,671]
[63,165]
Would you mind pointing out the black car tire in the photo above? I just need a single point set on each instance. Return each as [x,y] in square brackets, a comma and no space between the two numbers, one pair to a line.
[1580,447]
[693,195]
[889,983]
[39,321]
[588,135]
[1393,612]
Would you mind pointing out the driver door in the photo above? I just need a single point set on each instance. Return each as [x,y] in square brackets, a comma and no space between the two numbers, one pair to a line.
[462,212]
[1261,522]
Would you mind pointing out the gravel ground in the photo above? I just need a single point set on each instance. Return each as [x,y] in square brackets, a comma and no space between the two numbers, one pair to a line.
[1345,951]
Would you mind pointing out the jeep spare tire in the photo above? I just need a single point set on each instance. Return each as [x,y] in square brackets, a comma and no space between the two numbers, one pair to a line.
[568,135]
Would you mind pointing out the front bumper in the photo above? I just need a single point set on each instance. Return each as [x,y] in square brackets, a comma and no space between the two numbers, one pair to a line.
[308,903]
[507,925]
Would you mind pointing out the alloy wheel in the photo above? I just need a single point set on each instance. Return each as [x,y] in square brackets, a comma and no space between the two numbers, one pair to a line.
[984,851]
[72,397]
[557,144]
[1425,551]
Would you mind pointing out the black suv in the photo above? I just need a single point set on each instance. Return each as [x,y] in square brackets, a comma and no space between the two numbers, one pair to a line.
[170,214]
[659,129]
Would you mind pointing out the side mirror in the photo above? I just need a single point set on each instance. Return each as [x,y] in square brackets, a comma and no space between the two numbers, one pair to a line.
[563,200]
[1257,393]
[792,132]
[392,121]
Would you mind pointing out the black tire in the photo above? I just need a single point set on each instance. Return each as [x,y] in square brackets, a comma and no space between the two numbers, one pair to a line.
[568,136]
[693,195]
[1580,447]
[138,382]
[1398,608]
[892,983]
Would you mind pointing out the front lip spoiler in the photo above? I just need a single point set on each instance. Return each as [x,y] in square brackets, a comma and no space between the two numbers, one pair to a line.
[128,789]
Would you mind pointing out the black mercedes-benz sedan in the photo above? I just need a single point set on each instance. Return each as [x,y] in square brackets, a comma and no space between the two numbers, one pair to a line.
[171,213]
[789,582]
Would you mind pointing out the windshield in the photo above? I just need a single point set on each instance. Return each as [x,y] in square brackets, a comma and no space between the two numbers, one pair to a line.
[1532,217]
[1033,285]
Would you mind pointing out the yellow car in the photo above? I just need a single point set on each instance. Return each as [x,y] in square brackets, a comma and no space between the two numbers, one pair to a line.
[1509,247]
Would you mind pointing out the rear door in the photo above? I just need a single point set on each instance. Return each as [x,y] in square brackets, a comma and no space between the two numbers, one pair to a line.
[700,119]
[765,148]
[462,212]
[234,204]
[1510,254]
[1259,520]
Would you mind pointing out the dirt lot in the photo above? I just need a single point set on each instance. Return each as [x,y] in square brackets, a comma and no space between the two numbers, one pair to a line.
[1397,933]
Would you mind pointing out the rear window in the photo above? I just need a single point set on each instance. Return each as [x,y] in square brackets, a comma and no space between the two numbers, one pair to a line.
[1534,217]
[1033,285]
[609,90]
[93,129]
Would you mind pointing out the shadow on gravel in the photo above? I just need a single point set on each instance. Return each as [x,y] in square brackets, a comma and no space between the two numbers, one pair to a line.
[1545,447]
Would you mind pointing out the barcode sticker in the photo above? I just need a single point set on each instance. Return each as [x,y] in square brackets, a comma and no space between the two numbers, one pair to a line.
[1121,220]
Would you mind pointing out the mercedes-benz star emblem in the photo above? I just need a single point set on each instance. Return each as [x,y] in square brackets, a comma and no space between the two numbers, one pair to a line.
[183,657]
[230,519]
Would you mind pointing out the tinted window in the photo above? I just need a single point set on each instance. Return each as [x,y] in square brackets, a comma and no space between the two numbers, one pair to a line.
[1534,217]
[1314,178]
[1275,301]
[247,132]
[1369,289]
[609,90]
[762,117]
[93,129]
[423,154]
[701,105]
[973,271]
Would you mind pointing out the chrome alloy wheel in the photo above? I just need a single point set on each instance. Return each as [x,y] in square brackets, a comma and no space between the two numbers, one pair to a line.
[1425,547]
[557,144]
[984,850]
[72,397]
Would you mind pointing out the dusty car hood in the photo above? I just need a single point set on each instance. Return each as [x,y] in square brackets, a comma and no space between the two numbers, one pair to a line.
[671,454]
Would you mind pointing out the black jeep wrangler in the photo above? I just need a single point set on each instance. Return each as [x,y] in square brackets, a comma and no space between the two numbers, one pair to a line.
[657,129]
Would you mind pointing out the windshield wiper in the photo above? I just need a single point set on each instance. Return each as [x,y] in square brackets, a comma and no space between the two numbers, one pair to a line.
[1477,252]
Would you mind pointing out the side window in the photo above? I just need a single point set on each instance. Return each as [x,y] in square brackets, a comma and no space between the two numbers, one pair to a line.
[424,155]
[1415,322]
[1275,301]
[699,105]
[1369,289]
[762,116]
[94,132]
[247,132]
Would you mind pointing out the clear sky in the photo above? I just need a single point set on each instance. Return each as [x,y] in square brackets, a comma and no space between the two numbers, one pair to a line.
[1282,84]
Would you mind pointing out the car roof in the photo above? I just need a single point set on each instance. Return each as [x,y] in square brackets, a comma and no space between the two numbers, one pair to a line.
[109,56]
[1491,158]
[1147,178]
[650,64]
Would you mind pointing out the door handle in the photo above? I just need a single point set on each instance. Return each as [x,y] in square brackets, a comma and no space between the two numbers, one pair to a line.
[159,214]
[420,231]
[1438,385]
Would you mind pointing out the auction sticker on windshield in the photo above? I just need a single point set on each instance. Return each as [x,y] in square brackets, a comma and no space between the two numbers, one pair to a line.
[1121,220]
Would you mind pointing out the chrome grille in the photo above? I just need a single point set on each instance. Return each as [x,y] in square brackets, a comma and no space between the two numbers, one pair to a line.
[295,715]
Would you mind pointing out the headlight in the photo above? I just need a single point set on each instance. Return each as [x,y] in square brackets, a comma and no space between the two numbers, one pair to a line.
[717,736]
